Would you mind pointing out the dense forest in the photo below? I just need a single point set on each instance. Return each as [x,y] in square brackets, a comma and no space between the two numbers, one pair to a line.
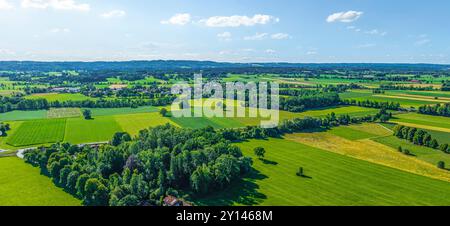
[161,161]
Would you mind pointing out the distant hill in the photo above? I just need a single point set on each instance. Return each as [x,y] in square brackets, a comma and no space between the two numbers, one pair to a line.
[198,65]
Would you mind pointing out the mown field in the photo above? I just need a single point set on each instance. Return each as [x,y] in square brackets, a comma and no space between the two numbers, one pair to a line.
[332,179]
[23,185]
[99,129]
[38,132]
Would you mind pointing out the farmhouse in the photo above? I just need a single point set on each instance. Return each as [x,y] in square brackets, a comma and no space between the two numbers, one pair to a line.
[173,201]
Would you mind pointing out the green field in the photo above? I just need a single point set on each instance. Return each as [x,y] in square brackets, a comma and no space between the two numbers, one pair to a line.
[350,134]
[424,121]
[350,110]
[38,132]
[406,102]
[23,185]
[99,129]
[23,115]
[424,153]
[136,122]
[121,111]
[333,179]
[51,97]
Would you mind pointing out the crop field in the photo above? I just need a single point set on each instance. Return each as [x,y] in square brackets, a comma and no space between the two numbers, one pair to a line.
[80,130]
[420,152]
[350,110]
[423,94]
[51,97]
[195,122]
[23,185]
[121,111]
[23,115]
[63,113]
[431,122]
[137,122]
[405,101]
[371,151]
[273,182]
[38,132]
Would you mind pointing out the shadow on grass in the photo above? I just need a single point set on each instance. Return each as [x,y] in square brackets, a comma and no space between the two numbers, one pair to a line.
[241,192]
[268,162]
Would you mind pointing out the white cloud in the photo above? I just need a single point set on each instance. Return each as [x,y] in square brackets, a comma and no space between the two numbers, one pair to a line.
[280,36]
[311,53]
[5,5]
[60,30]
[367,45]
[262,36]
[113,14]
[257,36]
[7,52]
[178,19]
[56,4]
[345,17]
[237,21]
[270,51]
[225,36]
[422,42]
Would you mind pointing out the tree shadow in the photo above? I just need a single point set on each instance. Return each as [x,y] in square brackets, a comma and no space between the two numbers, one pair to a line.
[268,162]
[306,177]
[241,192]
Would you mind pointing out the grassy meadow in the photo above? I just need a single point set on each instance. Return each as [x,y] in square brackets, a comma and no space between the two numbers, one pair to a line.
[22,185]
[332,179]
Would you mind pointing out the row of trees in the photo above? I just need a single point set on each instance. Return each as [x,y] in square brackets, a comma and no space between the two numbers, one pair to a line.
[161,161]
[299,125]
[373,104]
[405,87]
[309,101]
[419,137]
[10,104]
[438,109]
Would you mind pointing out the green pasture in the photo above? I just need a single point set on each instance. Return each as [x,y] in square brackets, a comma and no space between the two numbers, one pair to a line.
[330,179]
[24,185]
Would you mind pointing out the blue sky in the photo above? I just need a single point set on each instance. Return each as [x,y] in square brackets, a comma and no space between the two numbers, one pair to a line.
[237,31]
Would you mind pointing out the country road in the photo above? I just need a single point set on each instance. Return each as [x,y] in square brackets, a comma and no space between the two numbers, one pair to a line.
[20,153]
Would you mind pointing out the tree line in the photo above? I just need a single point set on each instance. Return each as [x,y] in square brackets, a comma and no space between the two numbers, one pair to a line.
[299,125]
[8,104]
[161,161]
[419,137]
[373,104]
[438,109]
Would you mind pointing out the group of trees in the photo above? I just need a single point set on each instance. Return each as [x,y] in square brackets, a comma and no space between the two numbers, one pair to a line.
[373,104]
[309,101]
[4,127]
[161,161]
[438,109]
[419,137]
